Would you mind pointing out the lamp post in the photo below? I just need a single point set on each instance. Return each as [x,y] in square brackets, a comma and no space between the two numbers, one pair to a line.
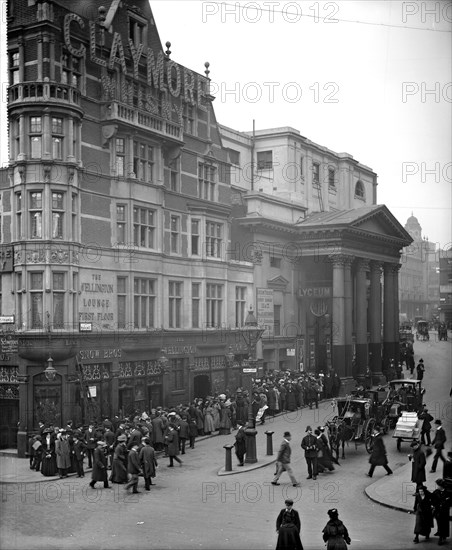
[251,333]
[163,363]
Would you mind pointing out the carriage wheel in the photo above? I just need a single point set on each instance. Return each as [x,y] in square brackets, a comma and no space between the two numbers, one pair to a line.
[386,423]
[370,426]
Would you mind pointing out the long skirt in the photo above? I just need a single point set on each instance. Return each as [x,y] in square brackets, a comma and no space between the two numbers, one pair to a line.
[118,472]
[288,538]
[48,465]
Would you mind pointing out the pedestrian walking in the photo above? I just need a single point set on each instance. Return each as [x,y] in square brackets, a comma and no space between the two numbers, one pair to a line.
[441,505]
[288,527]
[426,418]
[119,466]
[335,534]
[193,432]
[438,443]
[378,456]
[133,468]
[311,448]
[240,443]
[424,516]
[148,463]
[283,461]
[420,369]
[99,472]
[172,441]
[184,434]
[418,462]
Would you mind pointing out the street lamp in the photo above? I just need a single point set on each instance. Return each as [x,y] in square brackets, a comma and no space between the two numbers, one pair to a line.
[251,333]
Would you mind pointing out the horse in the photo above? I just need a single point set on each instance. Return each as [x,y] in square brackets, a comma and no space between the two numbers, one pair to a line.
[340,432]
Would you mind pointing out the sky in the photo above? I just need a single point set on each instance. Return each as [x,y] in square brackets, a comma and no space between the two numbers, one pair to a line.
[370,78]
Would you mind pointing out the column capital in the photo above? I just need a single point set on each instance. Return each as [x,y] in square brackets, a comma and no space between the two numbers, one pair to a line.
[362,264]
[375,265]
[338,260]
[392,267]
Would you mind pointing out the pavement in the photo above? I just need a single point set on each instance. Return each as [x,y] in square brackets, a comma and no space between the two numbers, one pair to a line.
[394,491]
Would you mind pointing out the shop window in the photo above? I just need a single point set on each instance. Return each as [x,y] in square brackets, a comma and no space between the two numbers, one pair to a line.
[178,370]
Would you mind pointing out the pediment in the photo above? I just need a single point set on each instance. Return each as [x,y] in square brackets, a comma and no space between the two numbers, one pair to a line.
[277,283]
[381,222]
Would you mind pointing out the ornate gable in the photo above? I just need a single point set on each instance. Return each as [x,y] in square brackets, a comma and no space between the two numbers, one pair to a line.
[278,283]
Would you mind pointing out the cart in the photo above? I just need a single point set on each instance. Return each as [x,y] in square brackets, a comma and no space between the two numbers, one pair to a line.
[408,428]
[422,330]
[404,395]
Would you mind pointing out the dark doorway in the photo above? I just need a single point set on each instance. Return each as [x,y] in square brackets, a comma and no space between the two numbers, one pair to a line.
[9,417]
[155,396]
[201,386]
[126,401]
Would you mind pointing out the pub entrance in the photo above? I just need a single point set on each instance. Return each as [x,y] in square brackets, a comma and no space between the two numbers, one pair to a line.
[9,418]
[201,386]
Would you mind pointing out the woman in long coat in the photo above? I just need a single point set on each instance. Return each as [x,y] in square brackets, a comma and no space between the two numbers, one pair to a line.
[119,465]
[441,504]
[63,455]
[288,528]
[48,465]
[335,534]
[225,419]
[209,426]
[424,516]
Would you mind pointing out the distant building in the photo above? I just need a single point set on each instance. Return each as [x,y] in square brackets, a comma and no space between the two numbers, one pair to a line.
[418,276]
[445,287]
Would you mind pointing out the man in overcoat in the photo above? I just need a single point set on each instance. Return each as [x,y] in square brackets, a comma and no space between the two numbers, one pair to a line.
[418,462]
[78,452]
[157,431]
[172,441]
[378,456]
[148,462]
[133,468]
[426,418]
[63,455]
[90,440]
[99,472]
[438,444]
[311,449]
[283,461]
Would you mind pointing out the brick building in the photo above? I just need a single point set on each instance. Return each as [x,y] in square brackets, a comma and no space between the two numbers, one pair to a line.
[125,215]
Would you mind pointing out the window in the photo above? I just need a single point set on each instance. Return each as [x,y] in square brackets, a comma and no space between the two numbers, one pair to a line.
[213,239]
[57,215]
[175,233]
[315,173]
[331,177]
[121,223]
[57,138]
[137,31]
[36,283]
[70,70]
[122,300]
[277,320]
[265,160]
[174,175]
[175,304]
[19,233]
[206,181]
[359,189]
[59,289]
[74,216]
[143,161]
[195,237]
[36,215]
[188,119]
[143,227]
[275,262]
[195,303]
[240,305]
[143,302]
[177,369]
[234,157]
[19,319]
[302,167]
[14,64]
[214,303]
[120,152]
[35,137]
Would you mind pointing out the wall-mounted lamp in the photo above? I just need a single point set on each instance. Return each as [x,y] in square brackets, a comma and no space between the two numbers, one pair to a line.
[50,372]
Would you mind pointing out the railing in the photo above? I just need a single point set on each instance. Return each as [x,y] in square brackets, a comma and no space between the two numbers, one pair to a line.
[31,92]
[143,119]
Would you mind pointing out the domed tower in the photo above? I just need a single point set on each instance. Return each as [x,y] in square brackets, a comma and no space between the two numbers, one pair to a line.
[414,228]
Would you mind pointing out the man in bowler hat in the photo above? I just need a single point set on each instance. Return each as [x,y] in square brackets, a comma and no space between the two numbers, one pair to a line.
[283,461]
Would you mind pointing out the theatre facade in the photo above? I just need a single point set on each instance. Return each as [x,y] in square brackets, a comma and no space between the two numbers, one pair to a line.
[134,244]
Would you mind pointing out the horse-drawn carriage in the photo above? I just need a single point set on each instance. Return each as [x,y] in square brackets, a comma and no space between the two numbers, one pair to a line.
[422,330]
[353,423]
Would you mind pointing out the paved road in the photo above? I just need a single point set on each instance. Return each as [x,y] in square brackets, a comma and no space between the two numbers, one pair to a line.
[192,507]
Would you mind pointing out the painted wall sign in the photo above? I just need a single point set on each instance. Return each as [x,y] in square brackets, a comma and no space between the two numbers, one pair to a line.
[109,353]
[265,310]
[6,259]
[97,299]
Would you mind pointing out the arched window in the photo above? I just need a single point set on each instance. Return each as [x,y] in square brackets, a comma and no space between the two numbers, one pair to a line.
[359,189]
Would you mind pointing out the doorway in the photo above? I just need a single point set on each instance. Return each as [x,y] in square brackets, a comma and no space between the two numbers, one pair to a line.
[9,415]
[201,386]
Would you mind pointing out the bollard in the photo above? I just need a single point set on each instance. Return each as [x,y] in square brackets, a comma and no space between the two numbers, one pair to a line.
[228,462]
[269,443]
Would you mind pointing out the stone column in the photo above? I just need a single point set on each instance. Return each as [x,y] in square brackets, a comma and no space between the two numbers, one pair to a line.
[348,286]
[375,323]
[339,331]
[395,272]
[362,266]
[388,316]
